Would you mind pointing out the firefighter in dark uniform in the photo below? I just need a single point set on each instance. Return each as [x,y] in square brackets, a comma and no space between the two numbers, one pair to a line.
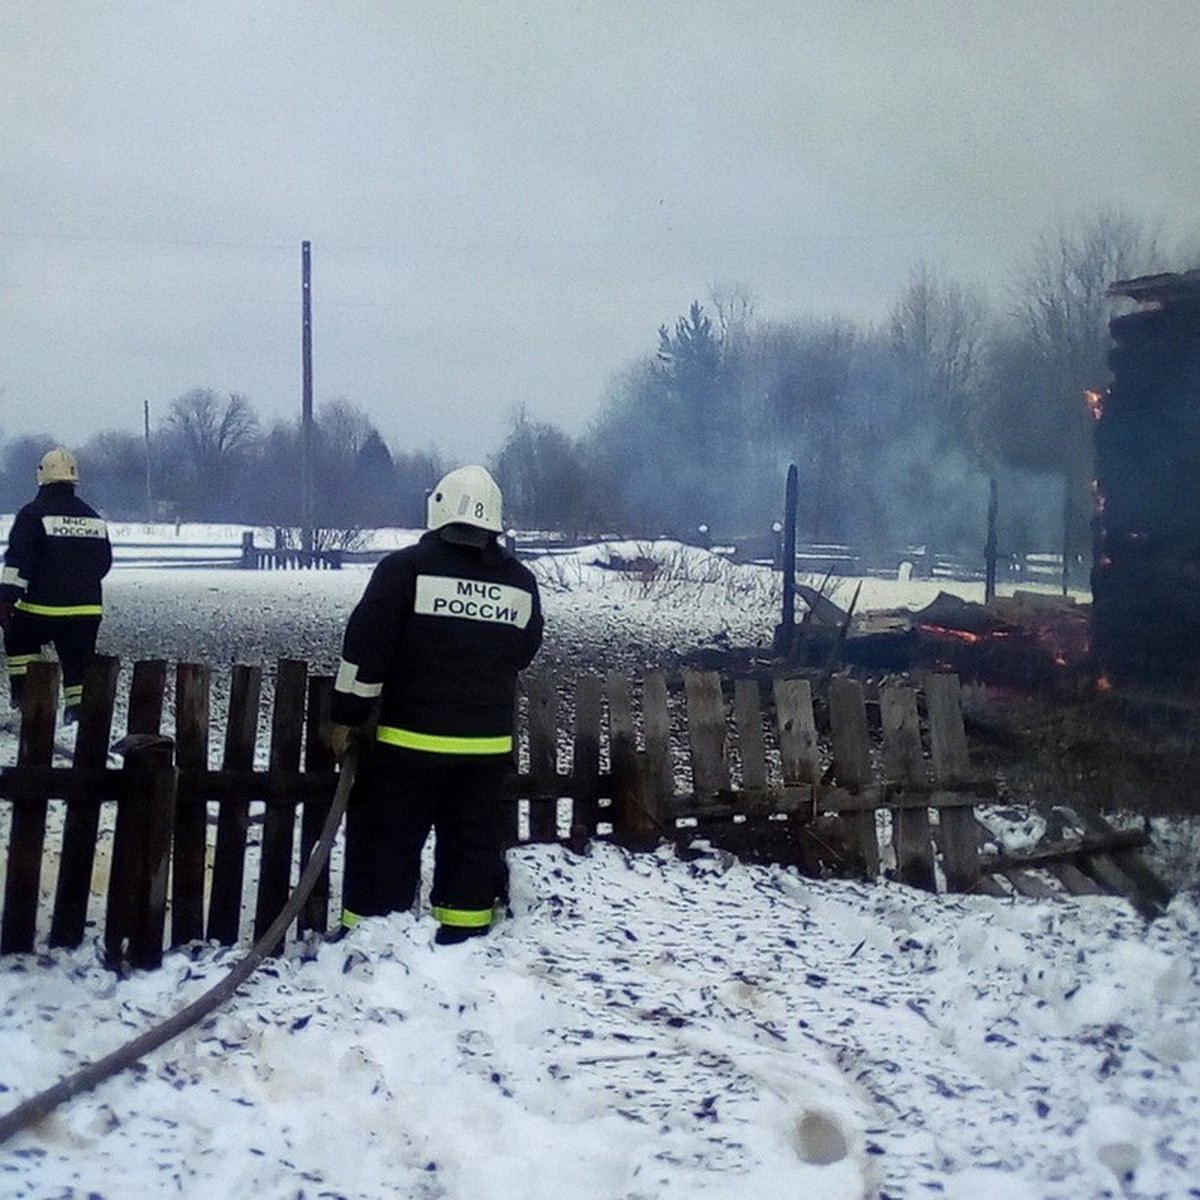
[437,639]
[50,593]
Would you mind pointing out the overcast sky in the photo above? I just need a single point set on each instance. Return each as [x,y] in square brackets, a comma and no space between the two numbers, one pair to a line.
[506,200]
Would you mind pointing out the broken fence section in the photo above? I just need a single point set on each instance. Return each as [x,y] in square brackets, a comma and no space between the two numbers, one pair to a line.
[765,769]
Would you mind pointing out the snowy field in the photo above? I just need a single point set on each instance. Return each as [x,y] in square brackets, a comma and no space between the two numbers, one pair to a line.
[641,1026]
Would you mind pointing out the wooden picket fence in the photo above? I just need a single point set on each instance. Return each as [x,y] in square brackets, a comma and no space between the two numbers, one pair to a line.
[741,763]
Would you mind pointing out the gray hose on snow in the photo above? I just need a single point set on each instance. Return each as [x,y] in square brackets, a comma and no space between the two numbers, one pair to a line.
[44,1103]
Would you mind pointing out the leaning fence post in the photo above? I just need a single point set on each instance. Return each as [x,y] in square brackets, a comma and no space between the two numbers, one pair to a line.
[137,892]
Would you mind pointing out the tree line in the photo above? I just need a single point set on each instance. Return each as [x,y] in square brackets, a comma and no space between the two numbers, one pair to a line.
[898,431]
[211,459]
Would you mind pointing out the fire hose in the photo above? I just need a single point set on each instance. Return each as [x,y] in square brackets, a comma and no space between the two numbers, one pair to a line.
[44,1103]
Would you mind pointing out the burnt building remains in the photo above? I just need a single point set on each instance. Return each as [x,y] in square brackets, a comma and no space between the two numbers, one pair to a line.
[1146,559]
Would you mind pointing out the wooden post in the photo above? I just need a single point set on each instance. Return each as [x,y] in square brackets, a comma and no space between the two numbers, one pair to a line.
[137,891]
[852,766]
[82,822]
[191,817]
[279,823]
[233,823]
[786,632]
[27,838]
[541,717]
[904,760]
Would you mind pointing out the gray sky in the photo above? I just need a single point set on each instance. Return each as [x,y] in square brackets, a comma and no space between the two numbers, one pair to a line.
[505,200]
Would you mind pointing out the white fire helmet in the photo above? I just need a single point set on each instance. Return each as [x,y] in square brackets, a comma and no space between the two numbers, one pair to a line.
[467,496]
[58,466]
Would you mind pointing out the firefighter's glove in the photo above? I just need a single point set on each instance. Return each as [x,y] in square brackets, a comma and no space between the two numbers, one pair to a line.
[341,738]
[6,614]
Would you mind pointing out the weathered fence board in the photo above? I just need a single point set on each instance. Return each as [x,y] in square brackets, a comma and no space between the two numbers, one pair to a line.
[707,734]
[799,751]
[852,766]
[951,765]
[656,728]
[233,823]
[318,759]
[904,762]
[27,838]
[189,854]
[147,693]
[752,747]
[585,812]
[542,721]
[81,824]
[279,820]
[136,903]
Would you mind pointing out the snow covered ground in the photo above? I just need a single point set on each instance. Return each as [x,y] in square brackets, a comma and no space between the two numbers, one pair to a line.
[641,1026]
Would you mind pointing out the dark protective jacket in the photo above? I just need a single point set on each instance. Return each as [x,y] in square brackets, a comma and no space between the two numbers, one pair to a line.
[58,552]
[439,635]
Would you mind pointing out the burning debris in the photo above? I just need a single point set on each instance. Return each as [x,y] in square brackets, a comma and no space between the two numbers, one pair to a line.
[1028,640]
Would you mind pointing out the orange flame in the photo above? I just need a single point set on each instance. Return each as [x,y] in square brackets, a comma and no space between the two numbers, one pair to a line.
[944,631]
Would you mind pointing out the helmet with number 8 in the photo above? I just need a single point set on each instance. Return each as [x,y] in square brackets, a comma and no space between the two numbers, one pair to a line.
[466,496]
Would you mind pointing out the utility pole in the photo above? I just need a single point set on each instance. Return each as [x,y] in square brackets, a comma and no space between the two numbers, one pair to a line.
[146,445]
[306,407]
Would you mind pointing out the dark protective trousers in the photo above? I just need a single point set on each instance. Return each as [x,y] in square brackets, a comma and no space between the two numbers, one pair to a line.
[398,797]
[73,639]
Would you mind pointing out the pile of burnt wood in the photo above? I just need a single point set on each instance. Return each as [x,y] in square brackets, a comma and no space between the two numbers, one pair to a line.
[1027,640]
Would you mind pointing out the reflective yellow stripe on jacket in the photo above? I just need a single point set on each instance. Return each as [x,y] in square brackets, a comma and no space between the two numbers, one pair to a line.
[436,743]
[60,610]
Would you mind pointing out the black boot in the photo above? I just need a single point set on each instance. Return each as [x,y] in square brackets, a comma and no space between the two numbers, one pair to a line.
[452,935]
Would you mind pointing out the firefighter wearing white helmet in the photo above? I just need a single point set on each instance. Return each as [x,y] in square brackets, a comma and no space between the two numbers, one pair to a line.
[50,590]
[431,653]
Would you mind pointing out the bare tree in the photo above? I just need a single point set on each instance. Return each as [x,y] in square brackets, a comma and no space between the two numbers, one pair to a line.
[205,441]
[18,469]
[1061,305]
[1056,350]
[113,467]
[936,330]
[542,474]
